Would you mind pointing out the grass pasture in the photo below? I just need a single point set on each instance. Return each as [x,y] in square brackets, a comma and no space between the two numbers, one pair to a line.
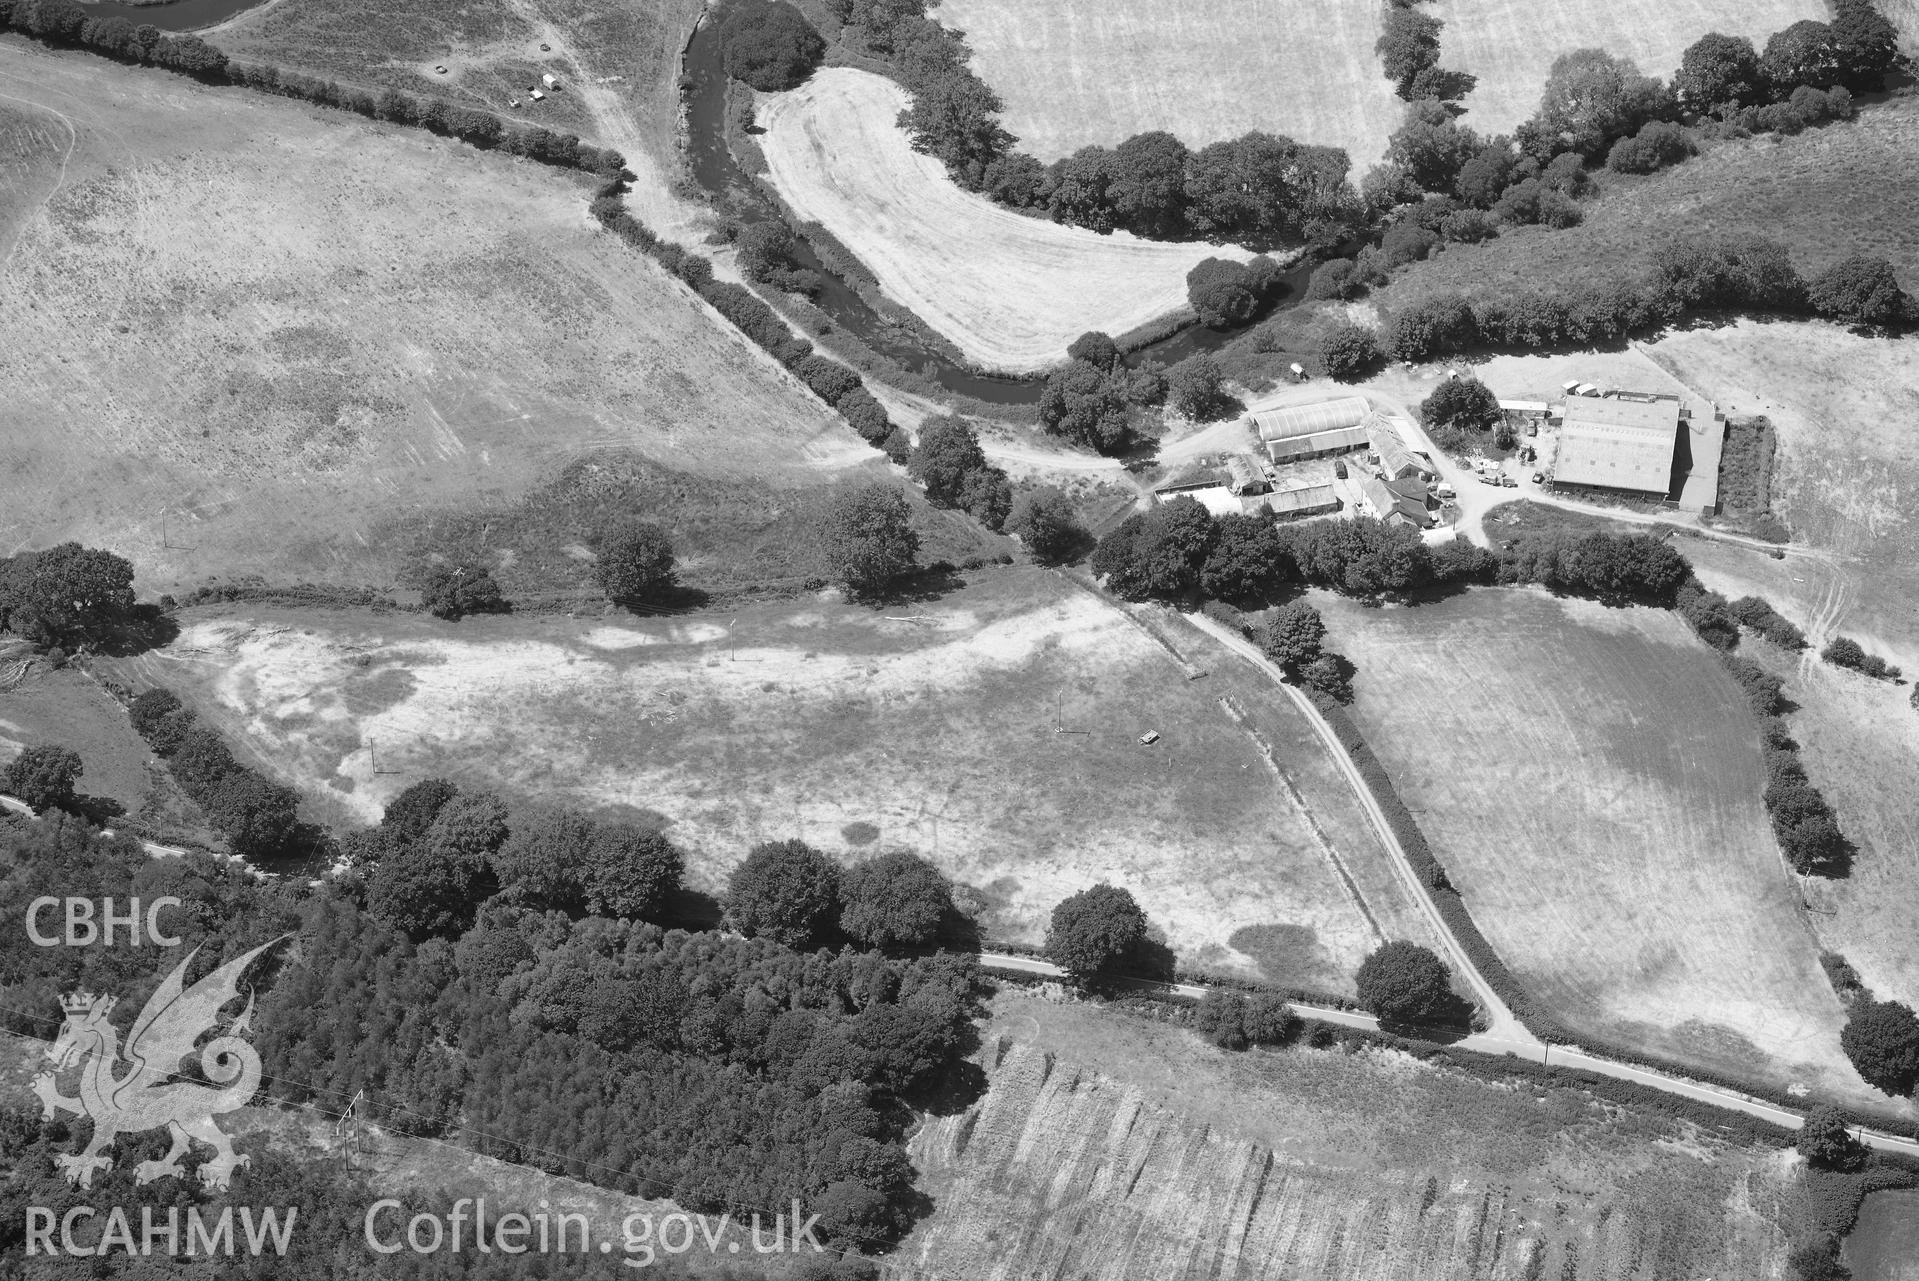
[928,726]
[1845,482]
[67,709]
[617,61]
[1010,291]
[1076,72]
[1510,44]
[1591,780]
[253,334]
[1825,193]
[1273,1165]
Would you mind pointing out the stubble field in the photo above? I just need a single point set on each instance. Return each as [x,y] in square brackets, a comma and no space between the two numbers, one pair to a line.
[1010,291]
[249,336]
[930,727]
[1591,779]
[1114,1148]
[1074,73]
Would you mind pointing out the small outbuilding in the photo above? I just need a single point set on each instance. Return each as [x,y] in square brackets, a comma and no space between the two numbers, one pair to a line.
[1302,501]
[549,81]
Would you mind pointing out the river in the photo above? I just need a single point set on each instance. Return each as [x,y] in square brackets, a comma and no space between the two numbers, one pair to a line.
[715,169]
[181,15]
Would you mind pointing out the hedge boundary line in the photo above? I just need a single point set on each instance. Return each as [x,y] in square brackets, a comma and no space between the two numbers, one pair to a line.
[1538,1020]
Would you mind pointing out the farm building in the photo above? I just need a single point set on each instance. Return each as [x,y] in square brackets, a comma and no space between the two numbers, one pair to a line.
[1395,460]
[1307,500]
[1702,439]
[1341,440]
[1244,475]
[1193,478]
[1217,499]
[1523,409]
[1397,502]
[1310,420]
[1622,442]
[1236,475]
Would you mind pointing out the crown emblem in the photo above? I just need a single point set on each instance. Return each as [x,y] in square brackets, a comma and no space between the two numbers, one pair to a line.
[83,1002]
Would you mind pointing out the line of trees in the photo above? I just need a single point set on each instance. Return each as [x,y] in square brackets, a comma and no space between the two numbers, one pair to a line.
[1735,273]
[1258,189]
[1180,551]
[836,384]
[1844,651]
[258,817]
[949,462]
[67,23]
[1802,820]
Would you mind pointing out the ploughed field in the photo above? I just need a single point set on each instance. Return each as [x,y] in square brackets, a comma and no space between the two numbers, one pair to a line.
[1114,1148]
[249,335]
[1011,292]
[1591,780]
[931,726]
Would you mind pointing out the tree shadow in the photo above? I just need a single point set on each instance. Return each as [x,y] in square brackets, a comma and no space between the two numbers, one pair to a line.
[959,932]
[97,810]
[924,586]
[145,627]
[1151,959]
[676,599]
[692,908]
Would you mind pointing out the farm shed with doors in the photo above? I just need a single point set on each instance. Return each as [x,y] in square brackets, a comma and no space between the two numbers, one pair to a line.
[1395,460]
[1306,500]
[1188,479]
[1310,420]
[1244,475]
[1622,442]
[1342,440]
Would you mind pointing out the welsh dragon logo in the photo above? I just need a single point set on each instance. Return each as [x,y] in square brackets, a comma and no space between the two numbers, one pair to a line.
[126,1091]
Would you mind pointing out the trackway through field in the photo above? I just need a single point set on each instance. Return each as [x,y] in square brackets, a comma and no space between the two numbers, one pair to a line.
[1529,1049]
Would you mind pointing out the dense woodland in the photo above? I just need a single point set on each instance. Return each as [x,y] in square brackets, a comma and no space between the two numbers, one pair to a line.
[508,979]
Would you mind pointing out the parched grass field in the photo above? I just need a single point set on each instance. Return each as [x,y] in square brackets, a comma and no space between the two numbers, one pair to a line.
[1843,406]
[617,62]
[1010,291]
[1510,44]
[1077,72]
[1825,193]
[248,336]
[928,726]
[1151,1154]
[1591,779]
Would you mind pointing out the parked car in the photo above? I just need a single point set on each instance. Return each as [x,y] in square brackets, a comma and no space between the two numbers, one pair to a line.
[1509,482]
[1539,477]
[440,70]
[1488,479]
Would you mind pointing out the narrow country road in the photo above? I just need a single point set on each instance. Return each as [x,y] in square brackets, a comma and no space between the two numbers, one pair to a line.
[1530,1049]
[1501,1025]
